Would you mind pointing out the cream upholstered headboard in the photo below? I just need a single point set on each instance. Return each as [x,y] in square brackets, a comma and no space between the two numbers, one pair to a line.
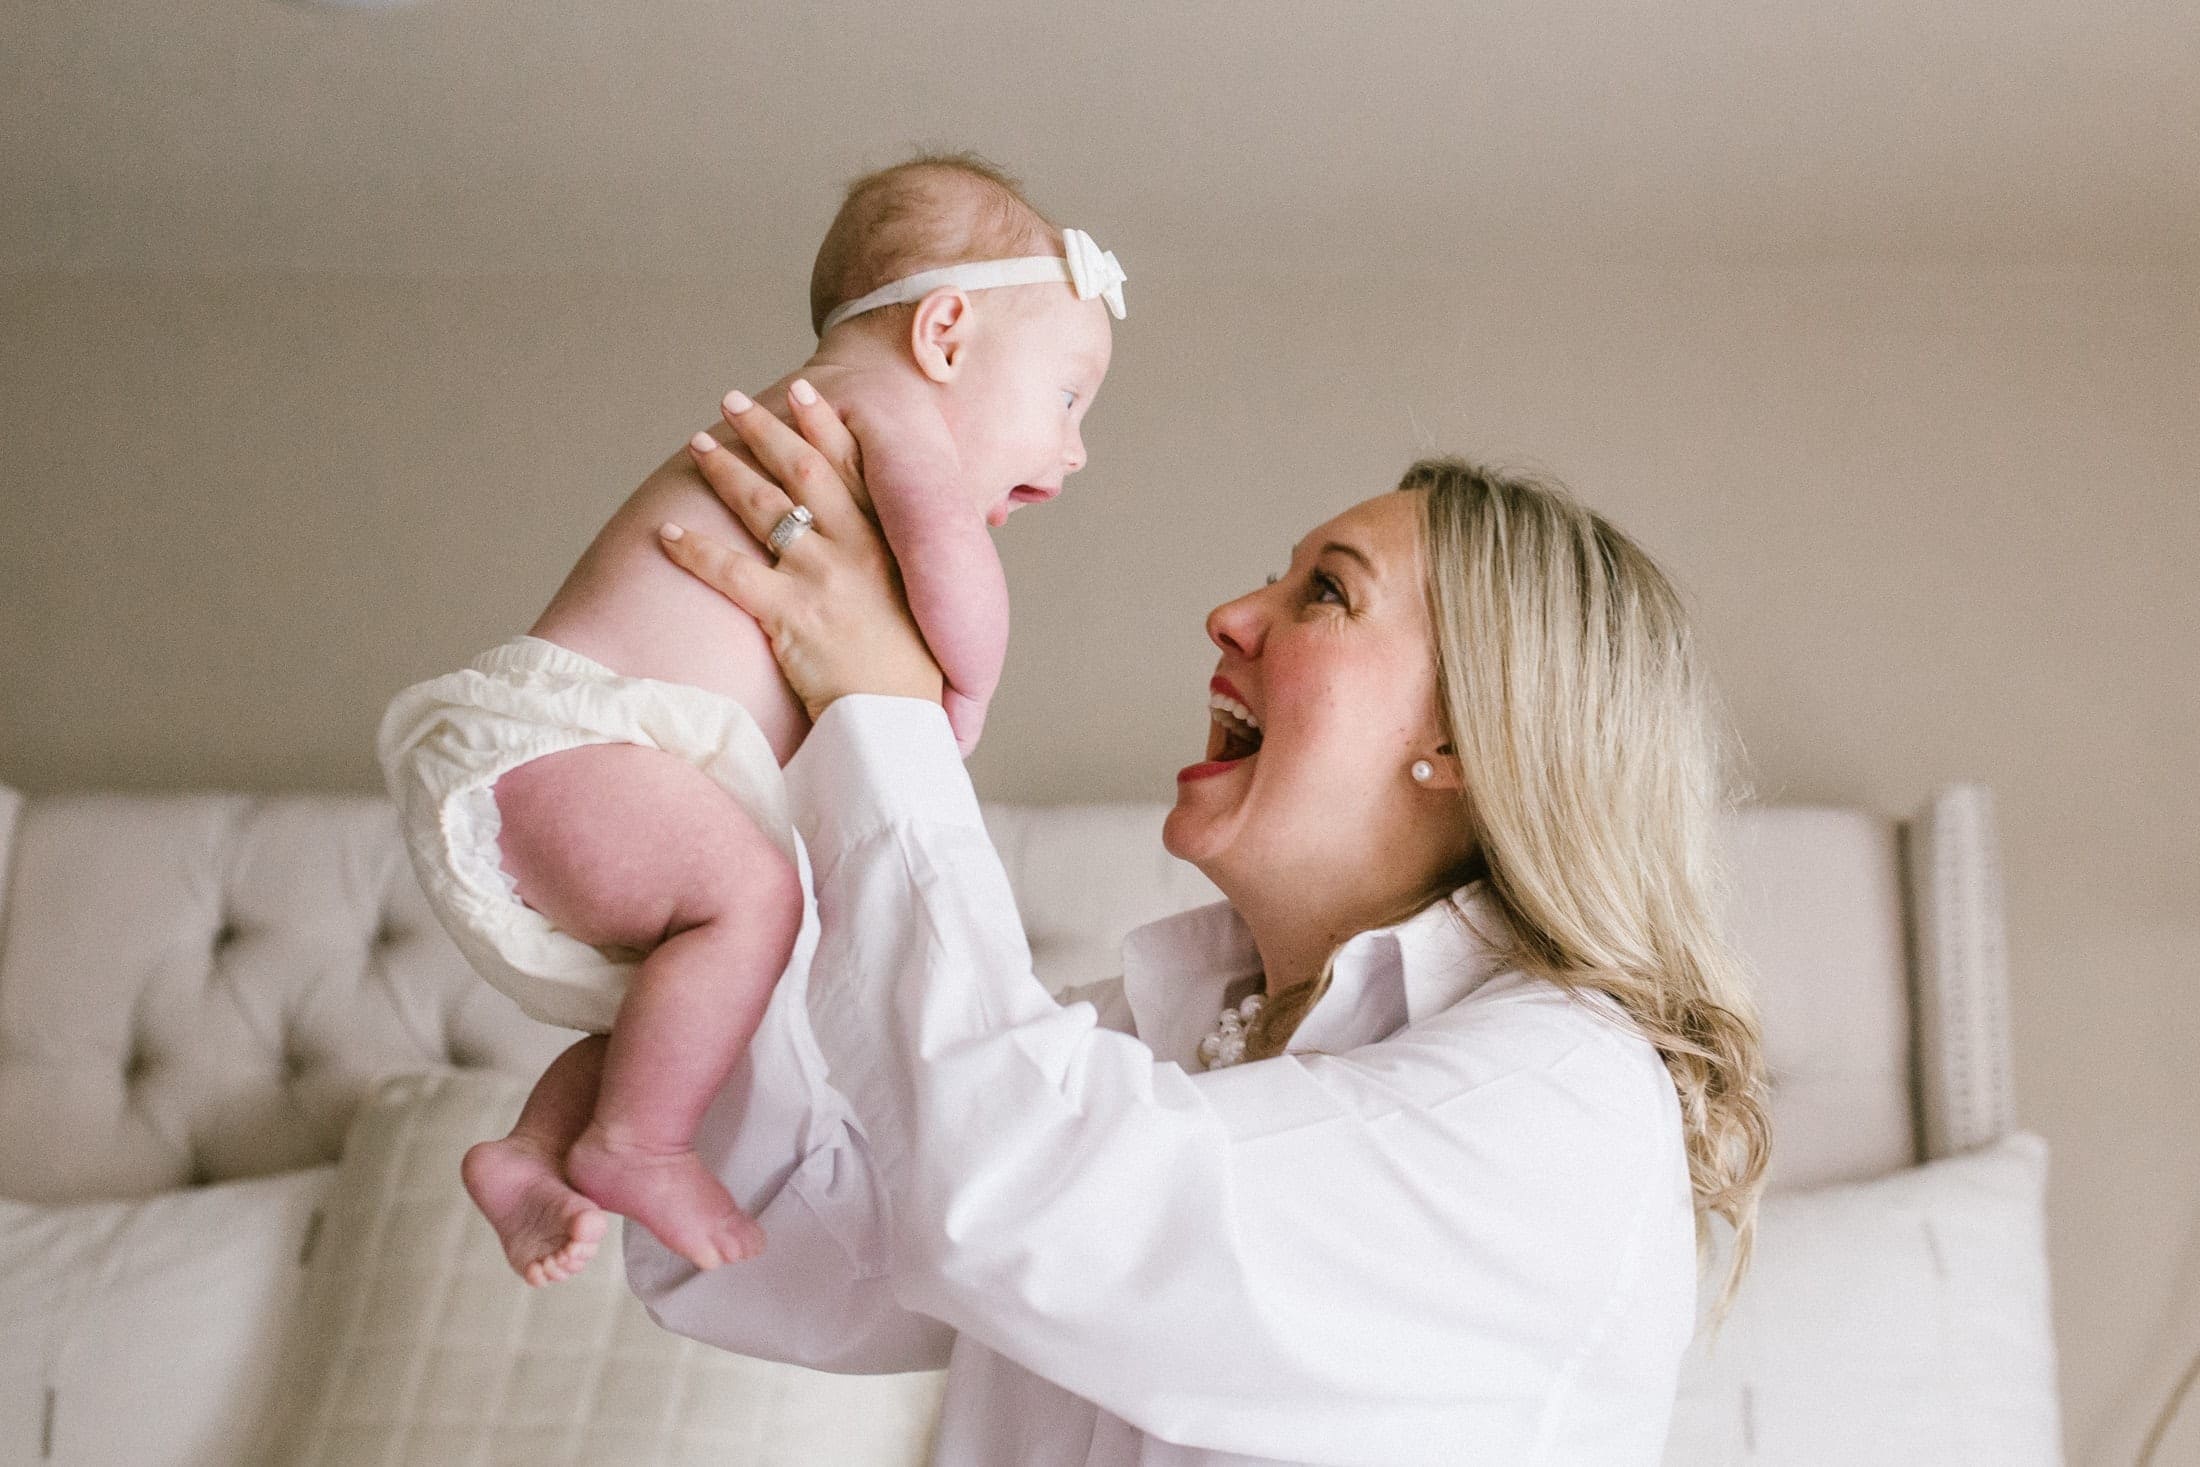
[200,987]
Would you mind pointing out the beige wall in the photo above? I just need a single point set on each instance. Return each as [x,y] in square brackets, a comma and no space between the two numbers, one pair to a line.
[1939,524]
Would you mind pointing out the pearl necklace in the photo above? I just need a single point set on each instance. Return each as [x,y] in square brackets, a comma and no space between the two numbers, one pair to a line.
[1226,1045]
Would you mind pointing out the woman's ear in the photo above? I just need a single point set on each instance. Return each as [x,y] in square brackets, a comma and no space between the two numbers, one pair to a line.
[939,333]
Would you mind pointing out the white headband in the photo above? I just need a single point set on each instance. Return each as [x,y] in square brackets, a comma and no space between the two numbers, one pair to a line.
[1083,265]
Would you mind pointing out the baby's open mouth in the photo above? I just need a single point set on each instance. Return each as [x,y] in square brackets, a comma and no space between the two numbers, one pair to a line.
[1016,498]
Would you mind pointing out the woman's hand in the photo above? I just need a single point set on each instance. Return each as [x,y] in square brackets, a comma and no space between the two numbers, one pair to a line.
[832,604]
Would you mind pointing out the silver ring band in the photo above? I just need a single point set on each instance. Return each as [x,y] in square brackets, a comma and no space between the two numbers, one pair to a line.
[792,526]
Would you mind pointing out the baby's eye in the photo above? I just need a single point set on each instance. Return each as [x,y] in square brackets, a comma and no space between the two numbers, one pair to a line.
[1069,398]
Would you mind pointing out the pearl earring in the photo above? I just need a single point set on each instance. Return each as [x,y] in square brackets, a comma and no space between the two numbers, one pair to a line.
[1423,771]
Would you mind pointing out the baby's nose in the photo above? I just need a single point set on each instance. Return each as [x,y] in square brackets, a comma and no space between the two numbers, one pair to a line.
[1074,458]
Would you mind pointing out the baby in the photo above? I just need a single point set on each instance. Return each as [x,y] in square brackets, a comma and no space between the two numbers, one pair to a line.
[596,810]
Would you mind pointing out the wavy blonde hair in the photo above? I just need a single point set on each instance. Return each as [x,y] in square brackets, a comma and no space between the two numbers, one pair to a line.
[1594,757]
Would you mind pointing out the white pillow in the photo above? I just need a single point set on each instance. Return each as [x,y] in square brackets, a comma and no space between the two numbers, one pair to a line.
[1898,1321]
[416,1343]
[147,1332]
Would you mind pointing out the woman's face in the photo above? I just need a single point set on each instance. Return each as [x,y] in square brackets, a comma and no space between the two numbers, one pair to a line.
[1335,664]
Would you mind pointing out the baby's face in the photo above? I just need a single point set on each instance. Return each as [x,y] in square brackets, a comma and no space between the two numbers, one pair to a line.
[1017,409]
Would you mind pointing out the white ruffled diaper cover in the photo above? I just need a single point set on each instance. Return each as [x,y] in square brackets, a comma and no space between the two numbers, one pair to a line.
[444,744]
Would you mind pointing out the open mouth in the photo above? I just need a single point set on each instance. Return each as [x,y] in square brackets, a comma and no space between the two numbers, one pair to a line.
[1233,728]
[1016,499]
[1233,733]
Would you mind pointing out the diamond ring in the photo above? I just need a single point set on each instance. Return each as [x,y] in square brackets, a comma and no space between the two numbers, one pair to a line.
[792,526]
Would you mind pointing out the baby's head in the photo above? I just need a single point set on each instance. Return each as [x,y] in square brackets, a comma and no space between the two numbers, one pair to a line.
[1016,366]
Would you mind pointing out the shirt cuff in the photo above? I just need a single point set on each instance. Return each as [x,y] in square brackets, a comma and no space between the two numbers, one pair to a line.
[872,762]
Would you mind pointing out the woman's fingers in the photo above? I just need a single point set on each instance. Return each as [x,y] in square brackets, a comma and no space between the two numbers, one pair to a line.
[820,422]
[832,603]
[836,619]
[756,500]
[808,477]
[733,573]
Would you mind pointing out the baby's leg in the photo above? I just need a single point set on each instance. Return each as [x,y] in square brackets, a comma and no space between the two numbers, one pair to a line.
[630,847]
[549,1231]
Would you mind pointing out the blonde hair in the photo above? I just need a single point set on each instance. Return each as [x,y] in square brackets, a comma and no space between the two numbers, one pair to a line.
[1594,762]
[931,210]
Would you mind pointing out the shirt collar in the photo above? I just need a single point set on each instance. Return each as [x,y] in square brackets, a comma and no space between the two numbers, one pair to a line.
[1175,972]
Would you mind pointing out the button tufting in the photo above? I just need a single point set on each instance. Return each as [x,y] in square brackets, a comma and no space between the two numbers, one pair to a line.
[225,934]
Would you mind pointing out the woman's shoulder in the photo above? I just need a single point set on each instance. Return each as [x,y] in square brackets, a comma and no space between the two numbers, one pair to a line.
[1519,998]
[1580,1039]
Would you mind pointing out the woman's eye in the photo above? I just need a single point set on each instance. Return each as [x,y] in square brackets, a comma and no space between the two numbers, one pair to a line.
[1271,579]
[1326,589]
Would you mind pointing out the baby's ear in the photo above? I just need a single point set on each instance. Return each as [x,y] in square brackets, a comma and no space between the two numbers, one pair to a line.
[939,333]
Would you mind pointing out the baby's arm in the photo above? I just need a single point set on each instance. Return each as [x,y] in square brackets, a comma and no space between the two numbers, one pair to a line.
[953,579]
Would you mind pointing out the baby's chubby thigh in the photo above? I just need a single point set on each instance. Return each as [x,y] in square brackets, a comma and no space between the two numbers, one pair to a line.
[620,845]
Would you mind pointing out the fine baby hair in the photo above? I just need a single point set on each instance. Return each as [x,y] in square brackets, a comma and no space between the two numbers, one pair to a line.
[946,222]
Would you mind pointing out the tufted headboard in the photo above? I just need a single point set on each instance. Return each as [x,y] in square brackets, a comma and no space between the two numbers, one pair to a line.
[200,987]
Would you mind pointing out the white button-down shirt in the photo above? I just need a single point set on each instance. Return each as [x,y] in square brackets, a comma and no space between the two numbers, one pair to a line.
[1452,1226]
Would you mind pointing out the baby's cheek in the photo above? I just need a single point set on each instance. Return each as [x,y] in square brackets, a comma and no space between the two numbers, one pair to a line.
[981,468]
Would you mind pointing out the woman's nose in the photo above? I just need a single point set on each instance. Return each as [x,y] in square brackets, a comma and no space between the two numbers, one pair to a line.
[1236,626]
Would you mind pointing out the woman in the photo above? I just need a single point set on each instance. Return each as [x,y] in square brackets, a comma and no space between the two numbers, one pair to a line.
[1440,1196]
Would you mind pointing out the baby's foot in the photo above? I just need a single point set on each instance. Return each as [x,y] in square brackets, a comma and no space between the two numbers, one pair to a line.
[549,1231]
[671,1193]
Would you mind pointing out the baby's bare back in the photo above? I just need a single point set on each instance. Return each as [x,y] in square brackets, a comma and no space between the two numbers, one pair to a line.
[627,606]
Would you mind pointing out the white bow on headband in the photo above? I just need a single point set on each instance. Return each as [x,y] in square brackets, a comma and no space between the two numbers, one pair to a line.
[1083,265]
[1093,271]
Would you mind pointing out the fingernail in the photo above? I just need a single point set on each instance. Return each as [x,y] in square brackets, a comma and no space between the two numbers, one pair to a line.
[802,392]
[738,402]
[670,531]
[702,443]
